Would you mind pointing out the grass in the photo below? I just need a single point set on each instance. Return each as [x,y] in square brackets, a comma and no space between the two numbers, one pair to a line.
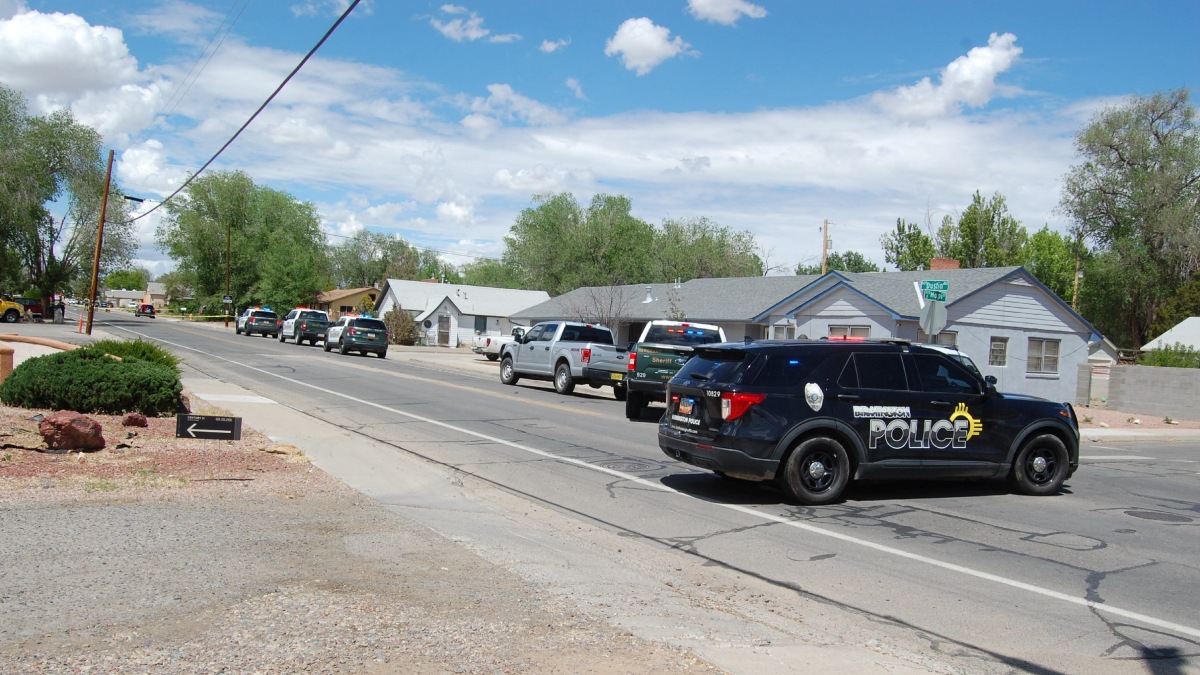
[100,485]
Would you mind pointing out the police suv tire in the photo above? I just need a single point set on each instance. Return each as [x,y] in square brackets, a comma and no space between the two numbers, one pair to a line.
[634,405]
[620,392]
[326,345]
[236,329]
[1041,466]
[508,374]
[382,354]
[564,383]
[282,338]
[12,316]
[816,472]
[342,347]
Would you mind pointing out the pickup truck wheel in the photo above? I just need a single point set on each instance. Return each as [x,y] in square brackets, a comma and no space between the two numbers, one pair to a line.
[620,392]
[492,357]
[563,382]
[508,375]
[634,404]
[236,329]
[12,316]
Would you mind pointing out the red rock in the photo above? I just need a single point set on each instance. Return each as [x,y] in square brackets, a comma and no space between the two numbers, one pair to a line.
[68,430]
[134,420]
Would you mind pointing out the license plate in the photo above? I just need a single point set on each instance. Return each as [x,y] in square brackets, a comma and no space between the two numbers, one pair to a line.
[617,376]
[685,406]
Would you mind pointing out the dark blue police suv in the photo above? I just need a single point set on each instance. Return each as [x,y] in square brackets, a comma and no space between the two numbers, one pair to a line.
[813,414]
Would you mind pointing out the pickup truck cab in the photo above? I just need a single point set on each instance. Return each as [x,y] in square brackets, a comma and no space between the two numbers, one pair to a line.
[490,345]
[302,324]
[11,312]
[566,353]
[659,353]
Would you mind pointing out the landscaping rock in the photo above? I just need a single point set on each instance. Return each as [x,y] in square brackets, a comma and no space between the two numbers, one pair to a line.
[68,430]
[134,420]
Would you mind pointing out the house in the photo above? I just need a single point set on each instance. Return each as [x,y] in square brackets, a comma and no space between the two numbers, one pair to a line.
[452,314]
[155,294]
[1186,333]
[341,301]
[1010,324]
[122,298]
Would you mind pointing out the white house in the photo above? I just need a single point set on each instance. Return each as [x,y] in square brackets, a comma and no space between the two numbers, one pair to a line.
[1186,333]
[452,314]
[1008,322]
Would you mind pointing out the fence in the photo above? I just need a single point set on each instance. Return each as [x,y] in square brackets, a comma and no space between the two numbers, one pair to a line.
[1145,390]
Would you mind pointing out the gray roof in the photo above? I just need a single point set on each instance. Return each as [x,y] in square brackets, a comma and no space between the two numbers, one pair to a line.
[423,296]
[1186,332]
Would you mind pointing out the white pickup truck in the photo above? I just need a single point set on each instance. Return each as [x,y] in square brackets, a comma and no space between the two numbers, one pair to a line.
[490,345]
[566,352]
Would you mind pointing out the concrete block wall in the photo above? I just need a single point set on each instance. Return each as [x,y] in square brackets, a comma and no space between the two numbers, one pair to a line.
[1150,390]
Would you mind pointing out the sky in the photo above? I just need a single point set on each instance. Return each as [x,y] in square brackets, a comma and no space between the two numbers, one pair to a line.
[440,122]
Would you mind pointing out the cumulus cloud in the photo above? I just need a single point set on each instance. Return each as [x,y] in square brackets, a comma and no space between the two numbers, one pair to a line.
[575,87]
[469,27]
[726,12]
[62,54]
[502,104]
[539,179]
[969,80]
[330,7]
[551,46]
[10,8]
[642,45]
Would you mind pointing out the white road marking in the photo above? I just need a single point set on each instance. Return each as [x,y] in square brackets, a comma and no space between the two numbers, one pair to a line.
[782,520]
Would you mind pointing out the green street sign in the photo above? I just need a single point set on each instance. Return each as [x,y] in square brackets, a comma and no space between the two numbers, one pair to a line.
[935,286]
[936,296]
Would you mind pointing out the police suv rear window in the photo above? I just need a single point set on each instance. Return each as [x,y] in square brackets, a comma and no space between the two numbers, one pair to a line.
[259,314]
[874,371]
[784,370]
[682,335]
[723,365]
[369,323]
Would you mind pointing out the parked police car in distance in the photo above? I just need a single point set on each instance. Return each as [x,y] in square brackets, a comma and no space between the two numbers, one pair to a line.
[302,324]
[811,415]
[259,320]
[358,333]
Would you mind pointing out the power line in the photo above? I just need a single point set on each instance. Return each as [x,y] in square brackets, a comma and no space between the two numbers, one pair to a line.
[270,98]
[189,81]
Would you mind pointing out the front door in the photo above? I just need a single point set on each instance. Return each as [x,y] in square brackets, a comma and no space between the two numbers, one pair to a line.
[443,334]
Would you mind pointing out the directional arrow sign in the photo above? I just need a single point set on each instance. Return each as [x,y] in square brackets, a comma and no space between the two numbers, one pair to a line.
[208,426]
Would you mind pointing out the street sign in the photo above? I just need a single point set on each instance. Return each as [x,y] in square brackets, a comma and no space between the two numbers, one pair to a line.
[936,296]
[208,426]
[935,285]
[933,318]
[227,300]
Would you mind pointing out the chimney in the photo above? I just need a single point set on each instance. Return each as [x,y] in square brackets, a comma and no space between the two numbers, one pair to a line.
[649,295]
[943,264]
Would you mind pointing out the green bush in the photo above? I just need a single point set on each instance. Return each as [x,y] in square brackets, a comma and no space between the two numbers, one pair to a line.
[140,350]
[88,381]
[1177,355]
[402,329]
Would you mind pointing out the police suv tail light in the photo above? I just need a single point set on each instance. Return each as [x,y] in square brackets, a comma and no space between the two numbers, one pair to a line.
[734,404]
[632,361]
[587,355]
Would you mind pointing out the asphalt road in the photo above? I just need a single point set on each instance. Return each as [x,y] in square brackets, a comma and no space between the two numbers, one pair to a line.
[1104,578]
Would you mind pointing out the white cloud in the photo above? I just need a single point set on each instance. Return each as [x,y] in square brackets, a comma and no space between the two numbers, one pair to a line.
[725,12]
[62,54]
[576,88]
[330,7]
[469,28]
[10,8]
[642,45]
[551,46]
[539,179]
[503,103]
[969,80]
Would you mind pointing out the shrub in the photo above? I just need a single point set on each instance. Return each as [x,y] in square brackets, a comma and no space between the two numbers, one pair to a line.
[401,327]
[1177,355]
[140,350]
[88,381]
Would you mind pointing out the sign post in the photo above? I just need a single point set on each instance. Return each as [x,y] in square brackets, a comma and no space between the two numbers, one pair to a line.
[933,316]
[208,426]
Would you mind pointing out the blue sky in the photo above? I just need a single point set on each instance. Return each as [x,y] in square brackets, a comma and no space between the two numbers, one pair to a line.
[439,121]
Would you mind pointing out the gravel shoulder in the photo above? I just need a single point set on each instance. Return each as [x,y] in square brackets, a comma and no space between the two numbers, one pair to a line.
[160,555]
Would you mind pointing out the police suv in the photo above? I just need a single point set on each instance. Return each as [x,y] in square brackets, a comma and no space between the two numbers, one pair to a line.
[811,415]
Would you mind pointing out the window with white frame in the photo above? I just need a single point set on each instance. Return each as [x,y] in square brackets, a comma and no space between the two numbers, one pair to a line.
[849,331]
[998,352]
[1043,356]
[946,337]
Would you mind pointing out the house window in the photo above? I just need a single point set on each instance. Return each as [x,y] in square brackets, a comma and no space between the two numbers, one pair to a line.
[480,324]
[1043,356]
[998,354]
[849,331]
[946,337]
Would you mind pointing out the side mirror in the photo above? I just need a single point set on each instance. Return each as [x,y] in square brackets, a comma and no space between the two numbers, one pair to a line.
[990,379]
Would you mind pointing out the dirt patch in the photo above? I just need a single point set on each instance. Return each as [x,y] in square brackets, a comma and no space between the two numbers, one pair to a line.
[1098,418]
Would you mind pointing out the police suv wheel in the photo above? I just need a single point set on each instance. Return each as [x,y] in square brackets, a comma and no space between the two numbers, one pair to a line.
[326,345]
[816,472]
[1041,466]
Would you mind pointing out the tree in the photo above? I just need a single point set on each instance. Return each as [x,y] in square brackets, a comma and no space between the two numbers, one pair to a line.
[402,329]
[908,248]
[699,248]
[1135,195]
[488,272]
[53,160]
[984,236]
[277,247]
[1051,258]
[131,279]
[368,258]
[850,261]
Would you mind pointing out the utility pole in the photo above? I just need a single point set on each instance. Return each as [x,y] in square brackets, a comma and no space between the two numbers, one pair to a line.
[99,243]
[825,247]
[228,251]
